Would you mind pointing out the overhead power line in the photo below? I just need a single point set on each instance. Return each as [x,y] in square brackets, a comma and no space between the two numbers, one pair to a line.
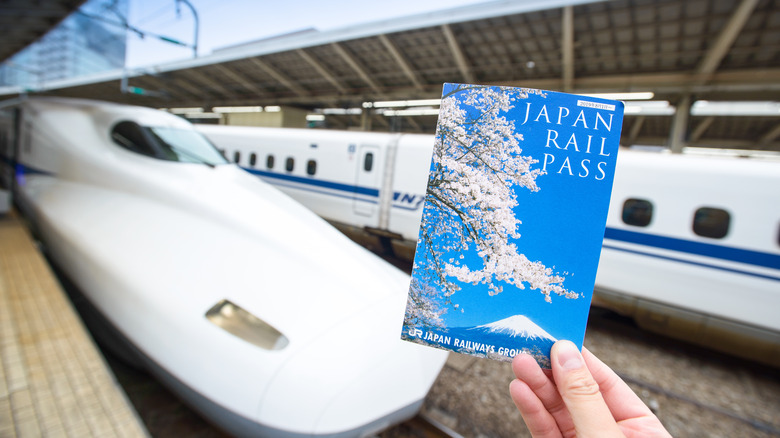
[123,23]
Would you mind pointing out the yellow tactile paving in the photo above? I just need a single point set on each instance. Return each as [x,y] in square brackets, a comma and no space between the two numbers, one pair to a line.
[53,380]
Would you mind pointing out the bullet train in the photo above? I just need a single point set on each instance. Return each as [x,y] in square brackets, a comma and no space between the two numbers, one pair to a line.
[254,310]
[691,249]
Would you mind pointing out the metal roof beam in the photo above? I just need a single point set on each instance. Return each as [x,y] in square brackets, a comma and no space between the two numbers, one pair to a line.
[761,84]
[567,48]
[321,70]
[715,55]
[383,120]
[769,137]
[403,63]
[457,53]
[365,119]
[739,81]
[150,82]
[680,125]
[710,143]
[243,81]
[413,122]
[355,66]
[700,129]
[335,122]
[185,85]
[635,129]
[205,80]
[279,76]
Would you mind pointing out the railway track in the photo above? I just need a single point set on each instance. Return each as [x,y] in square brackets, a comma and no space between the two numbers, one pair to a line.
[751,373]
[421,426]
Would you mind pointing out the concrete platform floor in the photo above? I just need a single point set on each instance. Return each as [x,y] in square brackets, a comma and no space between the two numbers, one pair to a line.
[53,379]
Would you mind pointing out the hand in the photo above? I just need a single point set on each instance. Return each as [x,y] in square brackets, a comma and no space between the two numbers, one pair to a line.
[584,398]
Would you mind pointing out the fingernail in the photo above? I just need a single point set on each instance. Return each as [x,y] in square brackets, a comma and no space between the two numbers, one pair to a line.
[569,356]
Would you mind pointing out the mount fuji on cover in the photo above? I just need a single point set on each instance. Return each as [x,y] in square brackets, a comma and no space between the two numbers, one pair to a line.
[514,218]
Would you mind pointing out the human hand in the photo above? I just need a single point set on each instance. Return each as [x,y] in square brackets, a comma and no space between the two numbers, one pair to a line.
[580,397]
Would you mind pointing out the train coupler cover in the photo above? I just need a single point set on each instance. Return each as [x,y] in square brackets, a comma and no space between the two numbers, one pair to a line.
[513,222]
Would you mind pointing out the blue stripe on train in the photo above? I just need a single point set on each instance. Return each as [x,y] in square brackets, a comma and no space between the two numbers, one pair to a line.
[316,182]
[690,262]
[746,256]
[755,258]
[750,257]
[347,191]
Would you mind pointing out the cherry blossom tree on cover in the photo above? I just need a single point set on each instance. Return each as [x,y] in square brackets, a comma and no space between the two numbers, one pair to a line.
[470,205]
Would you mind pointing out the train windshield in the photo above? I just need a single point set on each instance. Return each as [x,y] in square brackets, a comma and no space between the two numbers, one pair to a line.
[187,145]
[165,143]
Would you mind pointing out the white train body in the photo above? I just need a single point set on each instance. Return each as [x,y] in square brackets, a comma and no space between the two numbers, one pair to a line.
[720,291]
[154,244]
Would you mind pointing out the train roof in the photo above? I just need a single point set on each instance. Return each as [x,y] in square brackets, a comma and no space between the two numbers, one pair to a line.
[113,110]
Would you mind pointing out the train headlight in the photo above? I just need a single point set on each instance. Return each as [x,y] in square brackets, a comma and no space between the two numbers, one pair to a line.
[237,321]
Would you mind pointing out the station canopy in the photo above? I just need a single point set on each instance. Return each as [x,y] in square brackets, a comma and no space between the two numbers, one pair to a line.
[706,62]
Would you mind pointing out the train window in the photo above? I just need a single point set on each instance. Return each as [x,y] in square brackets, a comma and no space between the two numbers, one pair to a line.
[637,212]
[252,159]
[311,167]
[711,222]
[368,162]
[237,157]
[131,136]
[269,161]
[289,165]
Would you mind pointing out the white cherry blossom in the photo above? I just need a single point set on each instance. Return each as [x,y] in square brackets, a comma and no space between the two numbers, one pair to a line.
[470,205]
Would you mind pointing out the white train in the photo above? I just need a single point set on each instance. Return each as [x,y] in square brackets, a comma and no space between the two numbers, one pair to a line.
[254,310]
[692,246]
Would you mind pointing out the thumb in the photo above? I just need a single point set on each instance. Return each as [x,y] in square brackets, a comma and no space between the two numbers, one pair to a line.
[580,393]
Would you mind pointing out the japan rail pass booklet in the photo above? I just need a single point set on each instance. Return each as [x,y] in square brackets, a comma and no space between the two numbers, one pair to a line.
[513,222]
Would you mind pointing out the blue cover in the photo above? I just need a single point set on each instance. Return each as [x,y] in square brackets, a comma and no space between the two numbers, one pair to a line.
[514,218]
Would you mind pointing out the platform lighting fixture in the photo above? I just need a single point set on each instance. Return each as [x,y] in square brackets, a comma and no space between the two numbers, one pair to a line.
[737,108]
[237,109]
[341,111]
[185,110]
[315,117]
[639,95]
[273,109]
[412,112]
[650,108]
[402,103]
[202,115]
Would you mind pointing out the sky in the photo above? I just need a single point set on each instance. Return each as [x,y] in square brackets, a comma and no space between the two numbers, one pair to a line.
[227,22]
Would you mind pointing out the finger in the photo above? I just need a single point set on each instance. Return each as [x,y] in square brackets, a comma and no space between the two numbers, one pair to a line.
[580,393]
[620,398]
[528,371]
[539,421]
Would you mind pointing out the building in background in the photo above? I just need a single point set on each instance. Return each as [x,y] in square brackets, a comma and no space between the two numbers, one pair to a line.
[88,41]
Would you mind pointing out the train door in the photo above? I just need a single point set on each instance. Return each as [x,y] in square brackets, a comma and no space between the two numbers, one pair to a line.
[366,192]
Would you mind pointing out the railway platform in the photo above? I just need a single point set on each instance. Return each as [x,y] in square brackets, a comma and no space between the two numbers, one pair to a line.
[53,379]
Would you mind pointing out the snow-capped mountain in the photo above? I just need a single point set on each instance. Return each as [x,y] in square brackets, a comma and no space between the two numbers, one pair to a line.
[516,326]
[516,332]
